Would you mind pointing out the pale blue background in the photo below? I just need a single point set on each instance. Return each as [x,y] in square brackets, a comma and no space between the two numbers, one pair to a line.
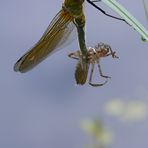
[43,108]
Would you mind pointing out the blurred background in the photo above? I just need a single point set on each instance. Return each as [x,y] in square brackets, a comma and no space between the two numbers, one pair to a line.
[44,108]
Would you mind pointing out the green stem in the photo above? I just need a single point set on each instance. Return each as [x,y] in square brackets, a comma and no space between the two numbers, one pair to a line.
[128,17]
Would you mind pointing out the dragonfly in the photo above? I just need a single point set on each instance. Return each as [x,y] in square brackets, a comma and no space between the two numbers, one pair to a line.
[71,16]
[95,54]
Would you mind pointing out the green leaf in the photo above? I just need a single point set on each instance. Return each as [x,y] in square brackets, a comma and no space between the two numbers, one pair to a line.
[118,8]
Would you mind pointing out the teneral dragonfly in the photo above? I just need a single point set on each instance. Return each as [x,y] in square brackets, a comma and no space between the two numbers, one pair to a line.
[93,57]
[59,30]
[70,16]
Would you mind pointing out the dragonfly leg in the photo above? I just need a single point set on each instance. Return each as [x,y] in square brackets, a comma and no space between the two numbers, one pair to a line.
[74,55]
[91,73]
[90,78]
[112,53]
[100,71]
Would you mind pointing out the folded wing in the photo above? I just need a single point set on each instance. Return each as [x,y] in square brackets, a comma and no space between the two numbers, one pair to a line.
[54,37]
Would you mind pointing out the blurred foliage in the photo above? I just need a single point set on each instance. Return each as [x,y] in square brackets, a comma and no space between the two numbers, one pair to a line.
[100,136]
[124,110]
[129,111]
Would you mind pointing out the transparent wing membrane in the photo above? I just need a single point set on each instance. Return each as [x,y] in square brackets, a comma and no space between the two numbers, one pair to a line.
[54,37]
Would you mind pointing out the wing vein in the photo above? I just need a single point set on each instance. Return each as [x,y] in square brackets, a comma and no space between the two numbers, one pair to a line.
[59,29]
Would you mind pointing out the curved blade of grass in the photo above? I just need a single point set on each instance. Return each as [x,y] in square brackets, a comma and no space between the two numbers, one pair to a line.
[118,8]
[145,9]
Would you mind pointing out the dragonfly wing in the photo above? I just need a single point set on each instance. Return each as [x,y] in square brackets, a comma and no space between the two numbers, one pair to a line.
[55,36]
[70,34]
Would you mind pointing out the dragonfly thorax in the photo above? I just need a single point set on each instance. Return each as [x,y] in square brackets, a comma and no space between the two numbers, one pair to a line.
[74,7]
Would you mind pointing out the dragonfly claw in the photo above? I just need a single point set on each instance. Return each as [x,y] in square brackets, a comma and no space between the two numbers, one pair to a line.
[114,55]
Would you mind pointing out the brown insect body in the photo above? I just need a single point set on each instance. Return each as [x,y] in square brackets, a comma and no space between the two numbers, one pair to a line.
[93,57]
